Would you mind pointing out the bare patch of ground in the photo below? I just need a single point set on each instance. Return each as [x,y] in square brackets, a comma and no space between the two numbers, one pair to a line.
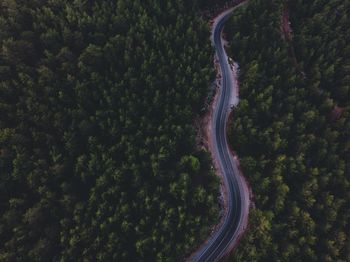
[287,35]
[285,25]
[336,113]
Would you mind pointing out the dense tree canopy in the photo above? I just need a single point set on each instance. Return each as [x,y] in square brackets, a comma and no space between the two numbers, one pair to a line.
[292,128]
[97,154]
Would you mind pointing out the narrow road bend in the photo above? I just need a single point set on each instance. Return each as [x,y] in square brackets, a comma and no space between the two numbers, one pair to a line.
[234,223]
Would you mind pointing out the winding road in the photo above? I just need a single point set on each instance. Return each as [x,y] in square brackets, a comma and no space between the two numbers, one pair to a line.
[237,194]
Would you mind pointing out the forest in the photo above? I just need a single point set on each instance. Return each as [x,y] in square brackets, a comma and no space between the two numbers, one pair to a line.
[98,160]
[291,128]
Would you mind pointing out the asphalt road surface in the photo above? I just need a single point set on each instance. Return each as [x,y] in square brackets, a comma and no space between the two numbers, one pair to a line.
[223,240]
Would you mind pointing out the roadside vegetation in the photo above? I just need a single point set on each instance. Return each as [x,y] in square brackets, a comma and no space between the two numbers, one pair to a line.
[98,160]
[291,129]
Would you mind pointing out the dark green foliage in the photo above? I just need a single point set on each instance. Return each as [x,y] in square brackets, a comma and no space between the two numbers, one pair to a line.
[294,148]
[97,154]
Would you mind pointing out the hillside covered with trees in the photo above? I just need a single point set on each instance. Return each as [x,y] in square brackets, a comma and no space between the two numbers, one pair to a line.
[291,129]
[97,148]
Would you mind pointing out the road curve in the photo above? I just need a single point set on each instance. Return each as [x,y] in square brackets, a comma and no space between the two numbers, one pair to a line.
[237,194]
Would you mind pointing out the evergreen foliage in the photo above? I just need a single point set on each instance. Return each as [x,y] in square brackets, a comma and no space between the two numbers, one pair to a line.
[97,154]
[294,147]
